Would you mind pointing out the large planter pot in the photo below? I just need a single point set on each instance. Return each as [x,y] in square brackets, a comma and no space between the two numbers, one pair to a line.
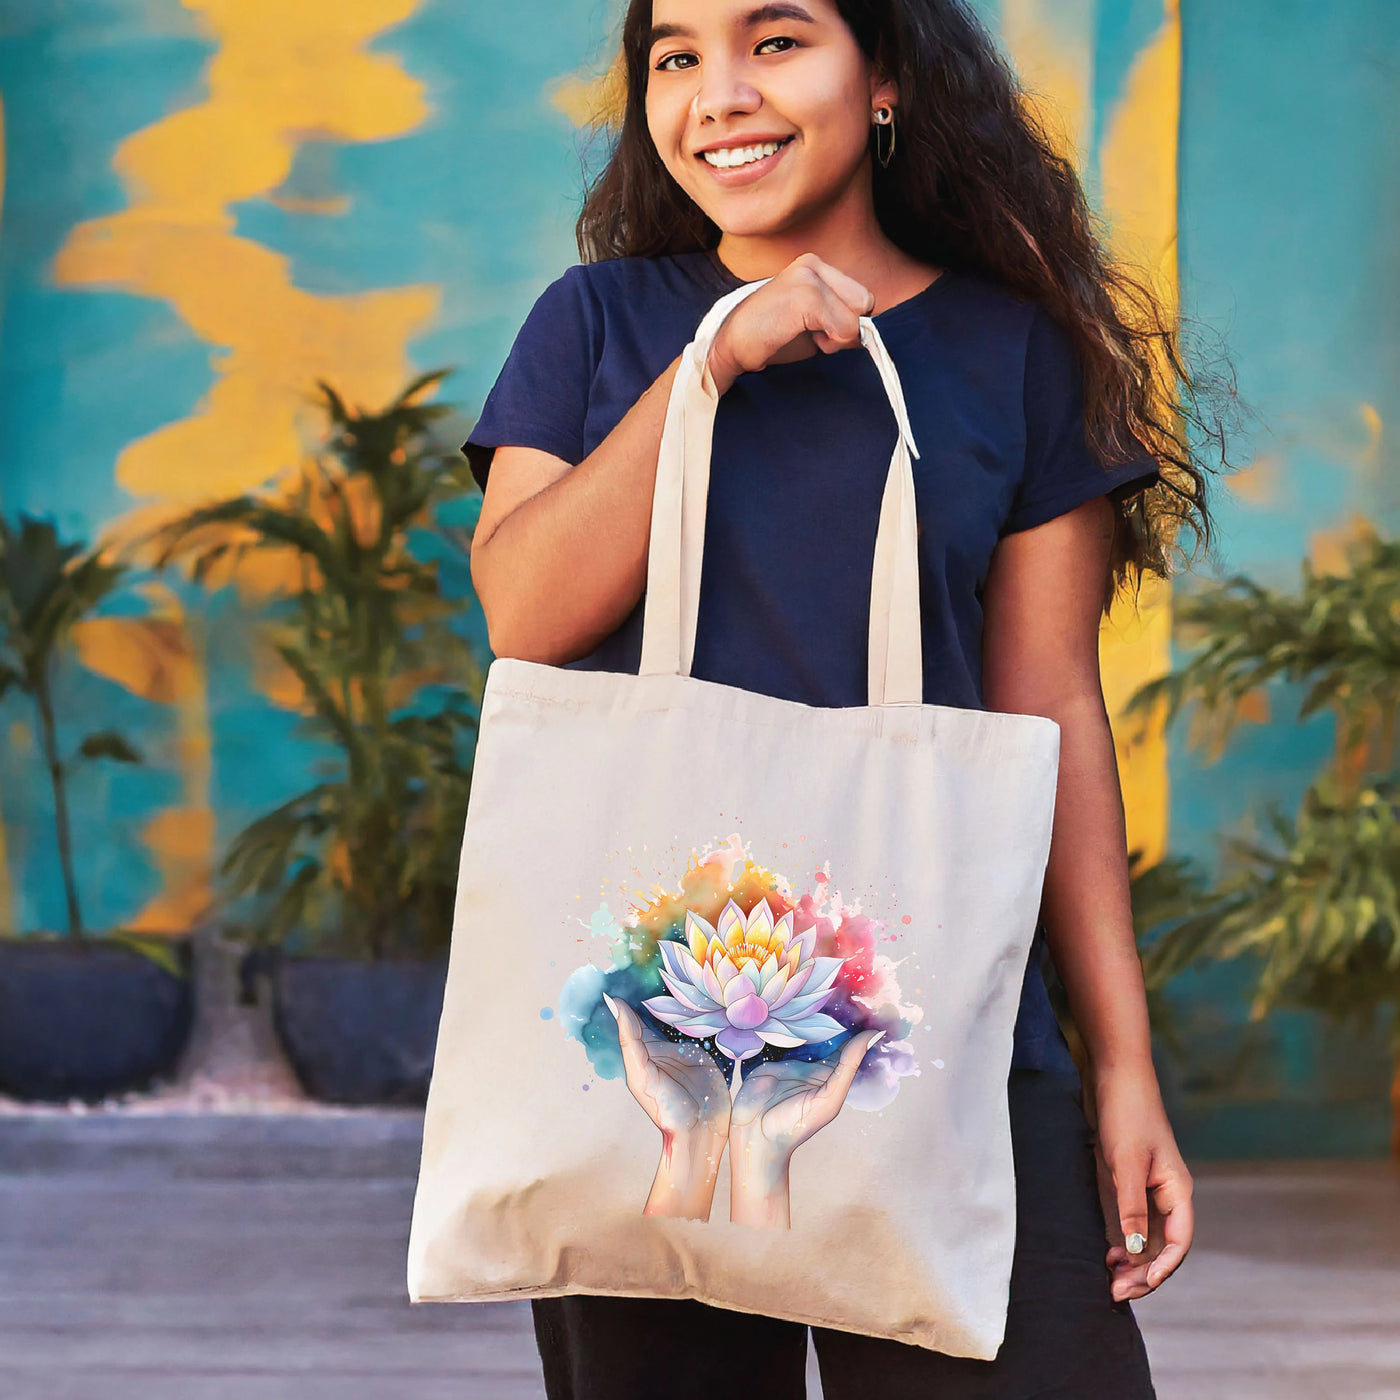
[360,1032]
[83,1021]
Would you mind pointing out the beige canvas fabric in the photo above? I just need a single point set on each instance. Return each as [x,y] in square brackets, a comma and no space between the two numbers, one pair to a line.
[684,911]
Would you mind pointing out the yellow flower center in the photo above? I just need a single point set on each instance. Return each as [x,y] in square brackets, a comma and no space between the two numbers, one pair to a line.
[742,953]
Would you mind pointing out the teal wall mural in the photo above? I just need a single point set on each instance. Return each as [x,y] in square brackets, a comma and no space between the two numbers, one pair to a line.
[209,204]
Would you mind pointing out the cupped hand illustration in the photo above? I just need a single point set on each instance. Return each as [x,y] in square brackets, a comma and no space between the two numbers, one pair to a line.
[679,1084]
[784,1102]
[778,1107]
[685,1094]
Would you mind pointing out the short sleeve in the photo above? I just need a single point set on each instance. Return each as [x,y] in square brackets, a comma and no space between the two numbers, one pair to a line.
[1061,471]
[540,397]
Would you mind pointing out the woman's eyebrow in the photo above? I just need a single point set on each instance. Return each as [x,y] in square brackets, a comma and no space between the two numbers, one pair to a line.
[764,14]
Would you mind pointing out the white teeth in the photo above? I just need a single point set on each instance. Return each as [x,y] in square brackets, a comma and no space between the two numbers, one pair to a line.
[728,158]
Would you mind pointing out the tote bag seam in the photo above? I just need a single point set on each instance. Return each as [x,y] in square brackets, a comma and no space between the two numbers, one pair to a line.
[988,728]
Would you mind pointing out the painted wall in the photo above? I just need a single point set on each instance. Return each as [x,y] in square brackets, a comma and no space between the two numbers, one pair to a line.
[209,204]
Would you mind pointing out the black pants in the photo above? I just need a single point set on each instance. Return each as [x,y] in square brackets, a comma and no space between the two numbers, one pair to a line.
[1066,1339]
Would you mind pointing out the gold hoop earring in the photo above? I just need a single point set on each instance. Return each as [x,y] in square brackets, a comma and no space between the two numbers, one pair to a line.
[884,117]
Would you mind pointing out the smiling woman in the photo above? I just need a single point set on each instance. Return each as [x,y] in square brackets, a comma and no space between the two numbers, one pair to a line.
[975,184]
[797,151]
[1056,421]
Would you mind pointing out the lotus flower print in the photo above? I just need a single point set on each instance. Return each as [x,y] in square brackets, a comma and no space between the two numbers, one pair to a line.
[749,982]
[758,1043]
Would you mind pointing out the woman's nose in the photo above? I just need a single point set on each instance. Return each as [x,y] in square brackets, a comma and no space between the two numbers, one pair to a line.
[723,93]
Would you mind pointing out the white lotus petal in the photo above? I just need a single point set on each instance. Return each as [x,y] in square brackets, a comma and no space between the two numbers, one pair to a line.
[824,971]
[711,983]
[677,958]
[698,933]
[816,1027]
[736,989]
[807,944]
[662,1014]
[782,933]
[703,1026]
[731,918]
[796,983]
[804,1005]
[668,1008]
[775,1033]
[769,970]
[687,993]
[726,970]
[773,986]
[748,1043]
[760,922]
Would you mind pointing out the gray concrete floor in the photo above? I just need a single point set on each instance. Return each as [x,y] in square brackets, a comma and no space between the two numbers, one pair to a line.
[261,1258]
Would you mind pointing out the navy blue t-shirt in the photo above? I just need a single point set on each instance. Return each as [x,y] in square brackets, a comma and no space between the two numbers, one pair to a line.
[800,454]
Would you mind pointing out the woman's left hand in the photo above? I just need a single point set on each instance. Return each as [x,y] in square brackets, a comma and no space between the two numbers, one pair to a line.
[1143,1181]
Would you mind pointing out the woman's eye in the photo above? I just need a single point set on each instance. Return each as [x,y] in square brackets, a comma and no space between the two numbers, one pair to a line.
[661,67]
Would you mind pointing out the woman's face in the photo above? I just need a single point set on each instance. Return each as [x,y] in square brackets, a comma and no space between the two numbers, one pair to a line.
[733,74]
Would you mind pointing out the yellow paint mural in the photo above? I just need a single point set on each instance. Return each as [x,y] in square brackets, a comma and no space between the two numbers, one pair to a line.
[155,657]
[1052,45]
[280,76]
[1138,169]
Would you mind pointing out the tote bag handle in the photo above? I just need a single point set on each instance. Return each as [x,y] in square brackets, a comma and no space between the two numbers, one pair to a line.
[672,604]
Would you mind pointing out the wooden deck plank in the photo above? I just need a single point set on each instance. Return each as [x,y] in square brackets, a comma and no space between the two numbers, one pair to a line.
[163,1257]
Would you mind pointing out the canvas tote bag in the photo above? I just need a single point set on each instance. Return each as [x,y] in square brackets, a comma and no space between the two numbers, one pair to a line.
[733,979]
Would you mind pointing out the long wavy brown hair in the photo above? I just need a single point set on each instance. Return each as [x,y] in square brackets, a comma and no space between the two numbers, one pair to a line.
[975,183]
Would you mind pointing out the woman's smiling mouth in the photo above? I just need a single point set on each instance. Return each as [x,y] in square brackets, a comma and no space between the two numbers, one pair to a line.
[736,165]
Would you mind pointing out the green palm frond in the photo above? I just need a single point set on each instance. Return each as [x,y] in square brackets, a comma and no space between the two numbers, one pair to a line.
[1312,900]
[368,858]
[47,586]
[1341,632]
[1317,904]
[107,743]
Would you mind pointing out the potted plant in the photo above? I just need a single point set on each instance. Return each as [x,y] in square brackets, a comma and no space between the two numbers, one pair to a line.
[347,888]
[80,1017]
[1316,902]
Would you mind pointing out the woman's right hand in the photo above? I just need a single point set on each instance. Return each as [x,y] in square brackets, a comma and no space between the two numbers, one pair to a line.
[809,306]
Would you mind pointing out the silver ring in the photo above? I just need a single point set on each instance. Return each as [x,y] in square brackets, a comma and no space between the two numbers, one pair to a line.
[1135,1243]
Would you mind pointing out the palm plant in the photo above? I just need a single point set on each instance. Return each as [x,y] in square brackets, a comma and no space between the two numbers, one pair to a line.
[365,859]
[47,587]
[1317,901]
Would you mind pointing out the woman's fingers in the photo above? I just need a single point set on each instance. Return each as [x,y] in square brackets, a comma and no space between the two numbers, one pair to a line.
[1130,1170]
[809,306]
[1173,1200]
[831,303]
[1168,1232]
[834,321]
[854,294]
[1130,1284]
